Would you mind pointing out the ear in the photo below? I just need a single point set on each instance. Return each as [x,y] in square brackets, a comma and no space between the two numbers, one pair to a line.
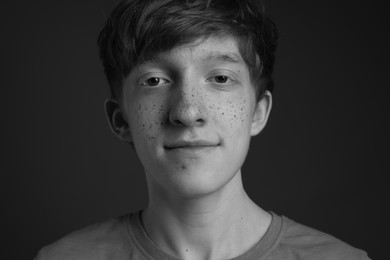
[262,111]
[117,123]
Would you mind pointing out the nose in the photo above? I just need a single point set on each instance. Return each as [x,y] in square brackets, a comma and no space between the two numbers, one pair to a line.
[187,107]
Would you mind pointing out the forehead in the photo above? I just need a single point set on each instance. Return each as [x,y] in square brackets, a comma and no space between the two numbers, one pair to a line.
[205,50]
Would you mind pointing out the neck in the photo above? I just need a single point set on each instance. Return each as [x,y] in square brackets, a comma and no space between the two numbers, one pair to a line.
[221,225]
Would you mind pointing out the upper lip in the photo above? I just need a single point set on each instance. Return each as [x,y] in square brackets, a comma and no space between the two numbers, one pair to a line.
[194,143]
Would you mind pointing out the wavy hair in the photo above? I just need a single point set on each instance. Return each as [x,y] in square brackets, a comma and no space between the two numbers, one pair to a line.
[139,29]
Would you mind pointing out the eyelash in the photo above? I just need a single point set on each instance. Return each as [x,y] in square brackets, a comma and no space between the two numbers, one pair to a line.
[144,82]
[160,80]
[228,79]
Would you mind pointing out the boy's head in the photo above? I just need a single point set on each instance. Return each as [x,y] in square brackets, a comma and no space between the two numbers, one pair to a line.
[189,81]
[137,30]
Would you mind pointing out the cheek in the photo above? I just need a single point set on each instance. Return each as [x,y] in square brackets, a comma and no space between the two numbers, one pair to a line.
[148,120]
[233,113]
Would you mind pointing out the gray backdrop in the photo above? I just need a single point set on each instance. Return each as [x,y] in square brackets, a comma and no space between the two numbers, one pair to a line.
[322,160]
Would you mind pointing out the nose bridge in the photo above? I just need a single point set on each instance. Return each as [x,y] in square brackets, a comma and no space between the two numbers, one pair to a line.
[187,104]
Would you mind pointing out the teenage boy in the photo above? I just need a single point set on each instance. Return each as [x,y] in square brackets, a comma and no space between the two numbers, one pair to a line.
[190,85]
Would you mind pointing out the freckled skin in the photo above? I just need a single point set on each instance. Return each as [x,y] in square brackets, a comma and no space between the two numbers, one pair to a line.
[190,105]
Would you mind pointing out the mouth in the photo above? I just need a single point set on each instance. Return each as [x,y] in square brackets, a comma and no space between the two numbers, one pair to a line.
[191,145]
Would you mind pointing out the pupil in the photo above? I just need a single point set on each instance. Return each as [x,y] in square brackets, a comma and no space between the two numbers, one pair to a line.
[221,79]
[153,81]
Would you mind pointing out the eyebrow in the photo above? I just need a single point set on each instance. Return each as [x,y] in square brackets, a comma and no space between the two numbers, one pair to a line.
[230,57]
[226,57]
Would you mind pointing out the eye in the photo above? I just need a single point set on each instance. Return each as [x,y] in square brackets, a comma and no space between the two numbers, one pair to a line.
[153,81]
[221,79]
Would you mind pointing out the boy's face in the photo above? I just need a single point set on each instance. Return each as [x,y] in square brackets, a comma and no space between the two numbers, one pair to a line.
[191,113]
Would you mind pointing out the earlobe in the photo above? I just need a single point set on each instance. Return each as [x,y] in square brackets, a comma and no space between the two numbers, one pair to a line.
[117,123]
[261,114]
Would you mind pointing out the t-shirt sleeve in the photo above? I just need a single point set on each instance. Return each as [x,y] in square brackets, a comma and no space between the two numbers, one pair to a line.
[104,240]
[302,242]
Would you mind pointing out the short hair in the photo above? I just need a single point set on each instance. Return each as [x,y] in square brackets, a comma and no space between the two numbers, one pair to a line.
[139,29]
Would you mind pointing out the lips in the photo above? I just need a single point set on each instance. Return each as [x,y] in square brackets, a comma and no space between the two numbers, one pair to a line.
[196,144]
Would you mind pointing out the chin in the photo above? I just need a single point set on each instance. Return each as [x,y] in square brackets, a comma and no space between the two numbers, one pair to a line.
[193,182]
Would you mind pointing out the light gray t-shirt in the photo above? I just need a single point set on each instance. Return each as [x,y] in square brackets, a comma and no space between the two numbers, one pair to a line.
[124,238]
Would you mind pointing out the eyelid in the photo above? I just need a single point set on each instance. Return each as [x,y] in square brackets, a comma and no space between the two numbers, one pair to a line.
[229,74]
[149,75]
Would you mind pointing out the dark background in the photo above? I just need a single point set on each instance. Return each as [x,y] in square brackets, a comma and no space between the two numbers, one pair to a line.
[323,159]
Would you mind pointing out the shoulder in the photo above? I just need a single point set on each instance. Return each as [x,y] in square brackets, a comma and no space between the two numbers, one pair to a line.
[104,240]
[309,243]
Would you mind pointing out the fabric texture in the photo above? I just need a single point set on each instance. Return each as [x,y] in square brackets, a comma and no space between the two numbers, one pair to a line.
[124,238]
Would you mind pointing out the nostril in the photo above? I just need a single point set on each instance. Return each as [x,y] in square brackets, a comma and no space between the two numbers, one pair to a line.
[187,118]
[184,112]
[178,122]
